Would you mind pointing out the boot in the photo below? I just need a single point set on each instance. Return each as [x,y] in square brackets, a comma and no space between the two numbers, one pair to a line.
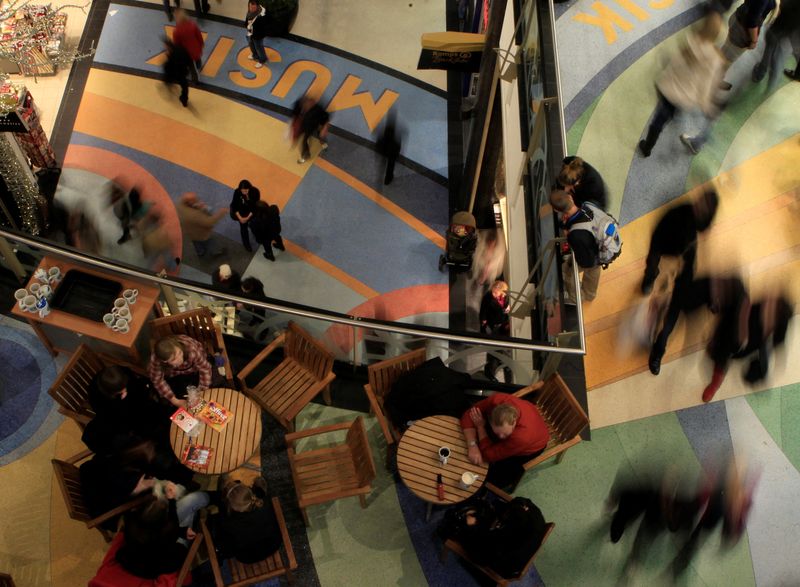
[646,145]
[716,381]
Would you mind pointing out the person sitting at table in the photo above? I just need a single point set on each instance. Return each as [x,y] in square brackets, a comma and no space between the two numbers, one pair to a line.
[516,433]
[177,362]
[157,534]
[125,408]
[245,527]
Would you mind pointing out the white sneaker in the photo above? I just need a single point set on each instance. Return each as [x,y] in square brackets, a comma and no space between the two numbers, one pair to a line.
[324,146]
[687,140]
[251,58]
[301,160]
[259,65]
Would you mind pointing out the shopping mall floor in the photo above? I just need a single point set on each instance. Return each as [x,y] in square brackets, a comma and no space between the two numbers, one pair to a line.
[126,125]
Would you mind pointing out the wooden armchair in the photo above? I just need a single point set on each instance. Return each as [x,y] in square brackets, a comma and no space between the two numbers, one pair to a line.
[455,546]
[327,474]
[306,370]
[563,414]
[382,376]
[69,479]
[198,324]
[250,574]
[189,560]
[71,388]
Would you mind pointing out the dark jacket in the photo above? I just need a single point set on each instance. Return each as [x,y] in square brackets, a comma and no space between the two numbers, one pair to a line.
[266,223]
[494,315]
[676,231]
[242,204]
[752,13]
[590,187]
[248,537]
[232,284]
[151,550]
[106,483]
[582,242]
[176,67]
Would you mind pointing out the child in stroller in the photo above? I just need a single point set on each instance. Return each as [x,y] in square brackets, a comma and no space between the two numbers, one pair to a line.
[462,239]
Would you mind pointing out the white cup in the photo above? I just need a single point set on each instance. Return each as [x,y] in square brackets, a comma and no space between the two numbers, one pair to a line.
[34,289]
[125,314]
[19,295]
[45,291]
[121,326]
[29,303]
[119,303]
[444,454]
[53,275]
[467,479]
[109,320]
[130,295]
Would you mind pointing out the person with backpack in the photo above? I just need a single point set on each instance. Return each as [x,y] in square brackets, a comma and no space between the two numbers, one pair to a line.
[592,235]
[255,22]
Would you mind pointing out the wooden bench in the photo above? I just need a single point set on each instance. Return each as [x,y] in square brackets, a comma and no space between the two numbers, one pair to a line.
[327,474]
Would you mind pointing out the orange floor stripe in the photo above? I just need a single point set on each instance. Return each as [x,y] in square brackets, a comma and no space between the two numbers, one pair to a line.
[183,145]
[332,270]
[383,202]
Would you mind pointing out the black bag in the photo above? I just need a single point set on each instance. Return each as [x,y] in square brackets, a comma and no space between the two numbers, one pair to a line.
[432,389]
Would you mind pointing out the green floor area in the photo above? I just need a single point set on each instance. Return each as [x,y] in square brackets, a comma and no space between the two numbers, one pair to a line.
[779,412]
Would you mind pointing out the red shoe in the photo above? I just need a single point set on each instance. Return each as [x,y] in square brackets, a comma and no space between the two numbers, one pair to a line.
[716,380]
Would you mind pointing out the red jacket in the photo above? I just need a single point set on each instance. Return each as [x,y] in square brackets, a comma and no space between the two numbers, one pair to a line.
[187,35]
[530,435]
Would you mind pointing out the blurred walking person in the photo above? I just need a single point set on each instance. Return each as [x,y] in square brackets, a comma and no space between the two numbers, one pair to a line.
[187,35]
[690,81]
[785,27]
[309,119]
[198,223]
[176,68]
[744,27]
[389,145]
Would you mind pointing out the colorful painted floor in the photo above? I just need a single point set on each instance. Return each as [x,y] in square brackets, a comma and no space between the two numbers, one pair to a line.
[126,126]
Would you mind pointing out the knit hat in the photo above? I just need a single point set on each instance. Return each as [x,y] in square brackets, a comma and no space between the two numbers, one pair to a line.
[225,271]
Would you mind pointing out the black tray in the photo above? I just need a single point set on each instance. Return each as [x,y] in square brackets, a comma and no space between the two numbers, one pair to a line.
[84,295]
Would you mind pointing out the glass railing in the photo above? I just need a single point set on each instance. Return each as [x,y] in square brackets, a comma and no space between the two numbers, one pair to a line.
[352,339]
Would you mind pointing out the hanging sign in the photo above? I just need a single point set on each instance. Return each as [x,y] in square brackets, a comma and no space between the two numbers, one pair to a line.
[451,51]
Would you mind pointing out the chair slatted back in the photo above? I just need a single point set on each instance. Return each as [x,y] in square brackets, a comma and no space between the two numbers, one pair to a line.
[71,389]
[358,444]
[69,479]
[557,405]
[301,347]
[197,324]
[383,375]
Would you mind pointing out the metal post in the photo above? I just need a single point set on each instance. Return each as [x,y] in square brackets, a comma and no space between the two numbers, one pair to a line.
[356,353]
[11,258]
[169,297]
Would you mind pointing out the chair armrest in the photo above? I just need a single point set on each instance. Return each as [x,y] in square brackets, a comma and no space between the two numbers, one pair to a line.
[291,437]
[187,563]
[258,359]
[551,452]
[530,389]
[287,544]
[79,418]
[212,554]
[120,509]
[84,454]
[499,492]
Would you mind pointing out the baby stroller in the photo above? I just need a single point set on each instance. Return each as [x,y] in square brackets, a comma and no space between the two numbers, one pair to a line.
[462,238]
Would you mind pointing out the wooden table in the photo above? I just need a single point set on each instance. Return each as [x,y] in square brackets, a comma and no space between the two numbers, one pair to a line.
[237,442]
[62,331]
[418,461]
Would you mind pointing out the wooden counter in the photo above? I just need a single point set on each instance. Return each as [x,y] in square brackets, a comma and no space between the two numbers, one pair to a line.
[59,330]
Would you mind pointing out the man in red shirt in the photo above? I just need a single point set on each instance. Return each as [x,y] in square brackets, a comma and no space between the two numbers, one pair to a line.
[187,36]
[505,432]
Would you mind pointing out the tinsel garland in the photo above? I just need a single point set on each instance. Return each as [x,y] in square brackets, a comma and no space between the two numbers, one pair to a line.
[23,190]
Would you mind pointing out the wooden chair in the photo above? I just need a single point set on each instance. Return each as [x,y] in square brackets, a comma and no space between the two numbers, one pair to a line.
[6,580]
[250,574]
[306,370]
[563,414]
[199,325]
[69,479]
[454,546]
[71,388]
[327,474]
[382,376]
[189,560]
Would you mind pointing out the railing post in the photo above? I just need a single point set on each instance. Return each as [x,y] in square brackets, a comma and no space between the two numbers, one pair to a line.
[11,258]
[356,349]
[169,297]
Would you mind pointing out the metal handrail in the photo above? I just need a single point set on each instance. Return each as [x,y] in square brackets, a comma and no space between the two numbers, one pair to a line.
[293,309]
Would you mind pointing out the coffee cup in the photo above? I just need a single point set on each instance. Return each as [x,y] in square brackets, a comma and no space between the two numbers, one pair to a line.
[121,326]
[119,303]
[53,275]
[125,314]
[34,289]
[467,479]
[45,291]
[130,295]
[444,454]
[19,295]
[29,303]
[109,320]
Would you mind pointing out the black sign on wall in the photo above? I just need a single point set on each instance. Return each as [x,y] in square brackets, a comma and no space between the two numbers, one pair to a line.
[12,122]
[469,61]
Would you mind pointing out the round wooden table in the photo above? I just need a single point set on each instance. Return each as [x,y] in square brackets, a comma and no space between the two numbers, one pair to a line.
[237,442]
[418,460]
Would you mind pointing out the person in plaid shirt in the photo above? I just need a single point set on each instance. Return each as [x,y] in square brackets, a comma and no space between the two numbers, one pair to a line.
[177,362]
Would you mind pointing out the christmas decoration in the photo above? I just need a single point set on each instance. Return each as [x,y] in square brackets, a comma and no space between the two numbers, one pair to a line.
[23,189]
